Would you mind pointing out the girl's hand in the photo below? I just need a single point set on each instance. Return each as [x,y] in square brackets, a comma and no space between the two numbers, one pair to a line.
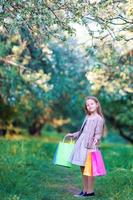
[96,142]
[69,135]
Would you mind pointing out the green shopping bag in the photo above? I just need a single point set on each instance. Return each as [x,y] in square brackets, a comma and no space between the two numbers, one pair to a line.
[62,153]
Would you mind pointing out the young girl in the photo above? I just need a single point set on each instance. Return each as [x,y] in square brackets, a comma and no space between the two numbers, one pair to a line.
[88,138]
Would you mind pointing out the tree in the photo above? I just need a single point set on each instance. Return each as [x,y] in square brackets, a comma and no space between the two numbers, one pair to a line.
[22,88]
[47,72]
[111,77]
[46,19]
[39,89]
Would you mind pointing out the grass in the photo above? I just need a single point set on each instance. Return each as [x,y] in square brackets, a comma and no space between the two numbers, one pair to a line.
[27,172]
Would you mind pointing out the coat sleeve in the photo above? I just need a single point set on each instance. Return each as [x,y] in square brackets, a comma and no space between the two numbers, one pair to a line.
[98,130]
[77,134]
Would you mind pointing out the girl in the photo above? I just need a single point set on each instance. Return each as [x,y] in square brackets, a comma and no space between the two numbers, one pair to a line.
[88,138]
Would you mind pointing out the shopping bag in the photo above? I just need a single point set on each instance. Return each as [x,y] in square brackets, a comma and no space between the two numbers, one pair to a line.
[88,166]
[98,164]
[94,165]
[62,153]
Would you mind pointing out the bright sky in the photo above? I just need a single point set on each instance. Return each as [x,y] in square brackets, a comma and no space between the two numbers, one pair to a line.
[83,36]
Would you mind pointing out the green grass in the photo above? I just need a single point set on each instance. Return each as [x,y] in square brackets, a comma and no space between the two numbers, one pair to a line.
[27,172]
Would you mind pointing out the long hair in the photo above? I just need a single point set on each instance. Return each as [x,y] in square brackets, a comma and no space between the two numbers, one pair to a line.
[99,111]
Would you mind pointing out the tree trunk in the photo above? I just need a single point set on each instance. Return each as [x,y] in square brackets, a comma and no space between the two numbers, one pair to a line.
[128,137]
[35,129]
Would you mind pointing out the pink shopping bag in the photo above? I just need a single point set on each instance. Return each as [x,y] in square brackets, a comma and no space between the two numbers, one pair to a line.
[98,166]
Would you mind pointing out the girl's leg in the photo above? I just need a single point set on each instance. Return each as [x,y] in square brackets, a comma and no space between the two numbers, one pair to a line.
[90,185]
[85,180]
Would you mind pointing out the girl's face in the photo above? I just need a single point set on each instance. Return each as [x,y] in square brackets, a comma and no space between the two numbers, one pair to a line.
[91,105]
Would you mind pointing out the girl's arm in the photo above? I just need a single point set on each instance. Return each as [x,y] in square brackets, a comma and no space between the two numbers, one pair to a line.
[77,134]
[98,131]
[73,135]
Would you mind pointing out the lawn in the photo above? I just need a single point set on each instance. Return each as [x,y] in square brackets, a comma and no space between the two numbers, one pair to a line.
[27,172]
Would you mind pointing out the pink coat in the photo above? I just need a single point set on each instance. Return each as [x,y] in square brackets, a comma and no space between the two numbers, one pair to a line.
[92,128]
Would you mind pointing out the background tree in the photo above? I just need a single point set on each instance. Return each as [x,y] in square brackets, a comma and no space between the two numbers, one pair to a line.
[54,18]
[43,79]
[111,76]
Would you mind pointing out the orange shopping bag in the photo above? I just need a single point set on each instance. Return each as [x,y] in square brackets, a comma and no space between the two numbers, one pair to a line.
[88,165]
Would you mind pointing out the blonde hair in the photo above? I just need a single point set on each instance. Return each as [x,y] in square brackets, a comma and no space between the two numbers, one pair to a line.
[99,111]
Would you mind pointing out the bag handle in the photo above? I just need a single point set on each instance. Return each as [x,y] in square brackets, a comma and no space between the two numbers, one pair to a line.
[71,141]
[96,148]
